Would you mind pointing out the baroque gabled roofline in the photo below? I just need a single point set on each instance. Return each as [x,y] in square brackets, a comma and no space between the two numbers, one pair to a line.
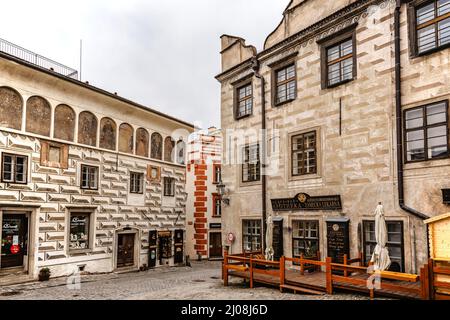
[317,27]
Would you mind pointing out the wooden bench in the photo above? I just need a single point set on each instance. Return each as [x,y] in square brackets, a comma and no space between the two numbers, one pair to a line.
[299,289]
[398,276]
[237,267]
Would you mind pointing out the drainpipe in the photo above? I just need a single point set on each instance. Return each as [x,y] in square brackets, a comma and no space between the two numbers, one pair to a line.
[399,121]
[256,66]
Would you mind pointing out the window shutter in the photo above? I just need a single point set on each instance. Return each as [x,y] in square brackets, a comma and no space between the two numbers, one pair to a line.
[412,32]
[44,153]
[149,172]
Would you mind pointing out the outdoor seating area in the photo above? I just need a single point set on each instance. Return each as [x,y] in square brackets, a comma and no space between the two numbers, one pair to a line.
[291,274]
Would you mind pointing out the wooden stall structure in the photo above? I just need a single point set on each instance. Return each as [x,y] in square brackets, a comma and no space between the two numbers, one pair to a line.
[439,264]
[296,274]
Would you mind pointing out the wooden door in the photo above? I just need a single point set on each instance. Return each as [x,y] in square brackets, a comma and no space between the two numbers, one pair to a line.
[215,245]
[178,246]
[277,242]
[152,245]
[14,240]
[125,250]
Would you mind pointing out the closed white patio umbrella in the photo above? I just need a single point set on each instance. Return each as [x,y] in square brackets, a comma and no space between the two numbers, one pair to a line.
[380,258]
[269,238]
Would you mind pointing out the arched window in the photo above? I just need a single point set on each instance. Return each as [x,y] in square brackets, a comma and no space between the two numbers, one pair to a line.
[64,123]
[181,149]
[169,144]
[87,128]
[142,142]
[11,106]
[38,116]
[108,130]
[156,152]
[126,138]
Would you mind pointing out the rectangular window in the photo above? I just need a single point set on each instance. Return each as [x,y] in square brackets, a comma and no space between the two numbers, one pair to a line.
[338,57]
[169,187]
[285,84]
[304,154]
[244,101]
[217,205]
[14,168]
[79,231]
[136,182]
[305,238]
[217,171]
[251,165]
[426,132]
[340,62]
[89,177]
[394,244]
[251,235]
[432,22]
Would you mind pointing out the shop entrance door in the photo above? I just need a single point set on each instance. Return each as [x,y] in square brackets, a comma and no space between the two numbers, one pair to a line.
[215,245]
[125,250]
[277,241]
[14,245]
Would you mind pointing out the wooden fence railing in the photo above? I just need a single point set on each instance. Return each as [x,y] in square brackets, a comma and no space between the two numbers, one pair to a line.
[439,275]
[430,286]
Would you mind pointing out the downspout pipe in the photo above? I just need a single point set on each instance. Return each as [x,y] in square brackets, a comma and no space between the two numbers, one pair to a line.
[398,108]
[399,123]
[256,68]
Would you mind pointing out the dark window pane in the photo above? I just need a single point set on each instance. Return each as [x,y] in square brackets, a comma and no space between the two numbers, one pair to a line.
[443,7]
[444,32]
[426,38]
[425,13]
[414,118]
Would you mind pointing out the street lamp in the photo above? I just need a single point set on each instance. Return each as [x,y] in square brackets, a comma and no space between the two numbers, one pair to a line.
[222,191]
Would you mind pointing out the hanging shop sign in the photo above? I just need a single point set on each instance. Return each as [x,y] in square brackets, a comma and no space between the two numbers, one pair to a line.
[303,201]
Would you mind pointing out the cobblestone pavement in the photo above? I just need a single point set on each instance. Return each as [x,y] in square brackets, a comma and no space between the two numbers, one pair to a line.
[199,282]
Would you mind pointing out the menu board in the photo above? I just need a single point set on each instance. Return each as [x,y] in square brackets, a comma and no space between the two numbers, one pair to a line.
[338,240]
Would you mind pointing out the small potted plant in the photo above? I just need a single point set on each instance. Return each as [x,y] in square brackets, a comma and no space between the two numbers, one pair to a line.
[44,274]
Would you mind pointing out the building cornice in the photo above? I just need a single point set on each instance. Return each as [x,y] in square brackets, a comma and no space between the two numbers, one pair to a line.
[93,88]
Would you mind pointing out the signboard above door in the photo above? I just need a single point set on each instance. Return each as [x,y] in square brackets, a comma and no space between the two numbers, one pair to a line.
[303,201]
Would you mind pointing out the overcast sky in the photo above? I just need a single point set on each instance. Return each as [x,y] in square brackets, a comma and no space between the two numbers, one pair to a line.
[161,53]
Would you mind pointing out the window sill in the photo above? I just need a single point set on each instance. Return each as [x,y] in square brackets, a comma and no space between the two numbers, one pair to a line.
[431,51]
[243,117]
[310,176]
[279,104]
[421,164]
[15,184]
[339,84]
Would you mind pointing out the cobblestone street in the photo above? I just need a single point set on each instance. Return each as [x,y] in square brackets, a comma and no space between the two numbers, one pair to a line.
[199,282]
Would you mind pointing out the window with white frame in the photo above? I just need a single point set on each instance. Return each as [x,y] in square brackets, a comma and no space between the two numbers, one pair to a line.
[305,238]
[251,165]
[14,168]
[169,187]
[304,154]
[251,235]
[136,182]
[89,177]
